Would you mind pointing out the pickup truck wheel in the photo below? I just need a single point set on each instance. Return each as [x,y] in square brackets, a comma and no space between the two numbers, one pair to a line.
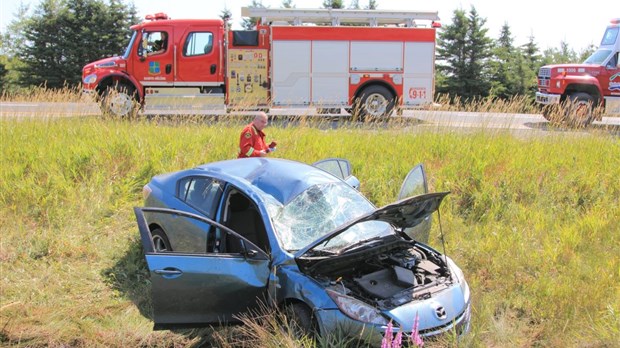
[119,101]
[579,111]
[375,102]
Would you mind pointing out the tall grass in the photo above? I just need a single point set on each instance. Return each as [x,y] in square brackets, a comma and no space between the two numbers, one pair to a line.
[532,221]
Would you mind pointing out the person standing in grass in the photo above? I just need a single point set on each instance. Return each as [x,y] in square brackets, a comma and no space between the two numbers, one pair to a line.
[252,139]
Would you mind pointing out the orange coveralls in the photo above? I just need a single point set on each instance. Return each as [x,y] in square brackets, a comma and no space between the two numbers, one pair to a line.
[251,142]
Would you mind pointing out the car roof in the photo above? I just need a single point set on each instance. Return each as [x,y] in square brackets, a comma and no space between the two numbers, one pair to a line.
[280,178]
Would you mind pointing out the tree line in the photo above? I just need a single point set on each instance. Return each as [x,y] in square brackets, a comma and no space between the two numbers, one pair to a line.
[49,46]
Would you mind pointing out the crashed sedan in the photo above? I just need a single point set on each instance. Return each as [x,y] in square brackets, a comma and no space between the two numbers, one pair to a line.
[222,238]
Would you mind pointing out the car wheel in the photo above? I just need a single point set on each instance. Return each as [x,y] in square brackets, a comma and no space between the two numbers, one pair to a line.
[375,102]
[300,320]
[579,111]
[160,241]
[119,101]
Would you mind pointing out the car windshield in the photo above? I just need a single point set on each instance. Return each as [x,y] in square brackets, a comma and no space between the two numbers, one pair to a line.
[319,210]
[598,57]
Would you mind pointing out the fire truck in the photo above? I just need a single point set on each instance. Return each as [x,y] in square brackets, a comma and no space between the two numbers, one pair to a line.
[371,62]
[577,94]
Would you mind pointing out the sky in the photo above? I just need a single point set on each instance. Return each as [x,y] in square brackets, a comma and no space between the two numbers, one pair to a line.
[549,21]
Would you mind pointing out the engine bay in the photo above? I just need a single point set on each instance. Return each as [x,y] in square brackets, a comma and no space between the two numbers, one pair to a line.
[387,278]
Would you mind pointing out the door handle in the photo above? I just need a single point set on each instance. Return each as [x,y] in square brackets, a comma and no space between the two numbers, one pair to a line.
[168,271]
[168,68]
[213,68]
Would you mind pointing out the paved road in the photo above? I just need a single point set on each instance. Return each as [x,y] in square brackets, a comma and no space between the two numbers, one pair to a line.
[423,118]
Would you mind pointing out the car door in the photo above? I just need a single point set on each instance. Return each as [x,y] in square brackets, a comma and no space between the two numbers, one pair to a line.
[194,288]
[340,168]
[415,184]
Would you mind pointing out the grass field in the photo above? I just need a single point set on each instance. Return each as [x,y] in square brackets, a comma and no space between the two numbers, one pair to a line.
[532,221]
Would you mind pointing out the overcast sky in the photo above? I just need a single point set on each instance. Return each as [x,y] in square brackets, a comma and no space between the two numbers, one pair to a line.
[549,21]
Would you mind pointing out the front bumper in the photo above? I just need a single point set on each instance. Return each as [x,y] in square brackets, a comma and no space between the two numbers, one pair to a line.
[547,99]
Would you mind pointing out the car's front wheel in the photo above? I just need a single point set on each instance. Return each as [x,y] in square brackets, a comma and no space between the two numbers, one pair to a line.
[160,241]
[300,320]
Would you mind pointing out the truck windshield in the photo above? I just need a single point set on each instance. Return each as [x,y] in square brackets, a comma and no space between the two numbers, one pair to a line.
[598,57]
[128,49]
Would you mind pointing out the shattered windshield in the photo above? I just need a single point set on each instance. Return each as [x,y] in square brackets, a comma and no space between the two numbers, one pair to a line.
[319,210]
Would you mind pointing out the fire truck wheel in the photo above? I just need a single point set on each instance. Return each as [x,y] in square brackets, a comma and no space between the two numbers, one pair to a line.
[376,102]
[579,111]
[119,101]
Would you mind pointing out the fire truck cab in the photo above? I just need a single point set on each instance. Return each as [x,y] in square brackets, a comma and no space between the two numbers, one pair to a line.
[366,61]
[577,94]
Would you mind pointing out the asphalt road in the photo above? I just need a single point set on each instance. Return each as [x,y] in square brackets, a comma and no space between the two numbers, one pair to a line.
[418,118]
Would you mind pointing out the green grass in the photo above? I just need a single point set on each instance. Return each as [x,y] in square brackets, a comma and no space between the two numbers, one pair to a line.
[533,222]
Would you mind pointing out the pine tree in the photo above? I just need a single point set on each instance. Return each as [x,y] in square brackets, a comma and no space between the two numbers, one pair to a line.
[335,4]
[250,23]
[62,36]
[372,5]
[226,16]
[463,54]
[287,4]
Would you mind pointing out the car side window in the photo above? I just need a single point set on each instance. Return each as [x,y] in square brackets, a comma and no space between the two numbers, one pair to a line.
[203,194]
[198,43]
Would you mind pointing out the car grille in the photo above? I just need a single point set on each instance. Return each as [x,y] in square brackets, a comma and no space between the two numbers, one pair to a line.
[458,326]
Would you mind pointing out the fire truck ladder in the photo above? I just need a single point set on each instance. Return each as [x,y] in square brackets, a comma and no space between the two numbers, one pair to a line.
[336,17]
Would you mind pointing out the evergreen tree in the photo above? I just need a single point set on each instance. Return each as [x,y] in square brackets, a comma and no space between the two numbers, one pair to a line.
[372,5]
[508,77]
[226,16]
[532,62]
[287,4]
[62,36]
[336,4]
[250,23]
[463,54]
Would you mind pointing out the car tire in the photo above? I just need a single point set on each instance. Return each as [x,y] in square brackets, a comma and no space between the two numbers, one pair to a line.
[160,241]
[119,100]
[300,320]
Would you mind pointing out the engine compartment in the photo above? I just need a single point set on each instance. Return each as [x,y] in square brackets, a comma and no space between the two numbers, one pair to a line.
[387,278]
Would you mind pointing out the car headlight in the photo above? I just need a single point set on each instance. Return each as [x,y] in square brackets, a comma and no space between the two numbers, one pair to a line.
[356,309]
[90,78]
[460,277]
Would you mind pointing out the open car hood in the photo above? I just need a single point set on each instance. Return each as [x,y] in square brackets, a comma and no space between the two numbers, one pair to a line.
[405,213]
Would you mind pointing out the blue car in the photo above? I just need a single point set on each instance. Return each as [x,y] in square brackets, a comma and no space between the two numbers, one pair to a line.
[224,237]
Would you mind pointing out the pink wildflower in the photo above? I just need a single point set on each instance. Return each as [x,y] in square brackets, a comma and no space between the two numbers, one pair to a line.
[386,342]
[415,335]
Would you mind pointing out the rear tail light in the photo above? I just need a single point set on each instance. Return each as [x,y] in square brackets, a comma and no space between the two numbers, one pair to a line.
[146,191]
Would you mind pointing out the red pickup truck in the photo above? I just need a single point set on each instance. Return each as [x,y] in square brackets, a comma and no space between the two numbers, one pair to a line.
[577,94]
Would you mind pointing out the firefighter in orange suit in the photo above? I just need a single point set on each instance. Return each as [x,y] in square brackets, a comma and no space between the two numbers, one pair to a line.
[252,139]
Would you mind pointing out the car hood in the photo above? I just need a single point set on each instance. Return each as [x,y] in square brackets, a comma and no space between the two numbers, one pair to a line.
[405,213]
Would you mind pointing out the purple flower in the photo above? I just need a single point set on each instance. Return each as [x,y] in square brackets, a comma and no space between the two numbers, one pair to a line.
[386,342]
[415,335]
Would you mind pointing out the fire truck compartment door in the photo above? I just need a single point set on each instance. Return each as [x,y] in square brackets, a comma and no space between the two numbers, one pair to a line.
[291,72]
[330,72]
[376,56]
[418,73]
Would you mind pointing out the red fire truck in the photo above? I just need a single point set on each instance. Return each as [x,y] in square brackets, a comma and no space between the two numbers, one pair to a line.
[577,94]
[369,61]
